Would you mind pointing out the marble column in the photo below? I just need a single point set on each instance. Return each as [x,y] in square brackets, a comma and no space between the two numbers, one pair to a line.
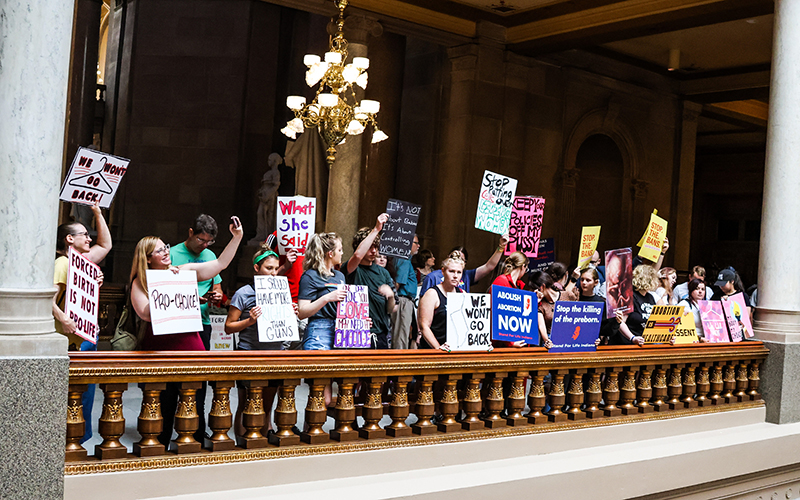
[777,318]
[34,69]
[685,190]
[344,182]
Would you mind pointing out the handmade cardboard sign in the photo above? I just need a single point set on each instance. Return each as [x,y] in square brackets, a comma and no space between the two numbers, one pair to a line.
[666,322]
[514,315]
[398,232]
[174,302]
[735,315]
[277,322]
[576,326]
[220,341]
[351,319]
[296,219]
[544,257]
[741,313]
[525,227]
[715,328]
[82,295]
[469,321]
[495,202]
[653,238]
[590,235]
[619,281]
[94,176]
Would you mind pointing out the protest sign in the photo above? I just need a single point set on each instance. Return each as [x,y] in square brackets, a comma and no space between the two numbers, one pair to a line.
[734,317]
[174,302]
[514,315]
[469,321]
[576,326]
[619,281]
[590,235]
[495,202]
[93,177]
[220,341]
[351,319]
[277,322]
[544,257]
[398,232]
[654,238]
[296,219]
[525,227]
[666,322]
[82,295]
[742,314]
[715,329]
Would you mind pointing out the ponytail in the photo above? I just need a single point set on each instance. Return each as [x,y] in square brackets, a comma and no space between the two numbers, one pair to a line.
[317,249]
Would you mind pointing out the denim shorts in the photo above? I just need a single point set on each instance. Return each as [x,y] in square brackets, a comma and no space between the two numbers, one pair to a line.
[319,334]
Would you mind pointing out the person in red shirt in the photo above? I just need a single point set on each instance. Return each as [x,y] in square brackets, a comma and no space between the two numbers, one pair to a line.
[291,267]
[514,268]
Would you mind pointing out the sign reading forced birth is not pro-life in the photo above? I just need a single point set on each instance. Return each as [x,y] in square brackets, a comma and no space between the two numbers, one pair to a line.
[398,232]
[576,326]
[515,315]
[469,321]
[278,322]
[174,303]
[352,313]
[495,202]
[82,295]
[93,177]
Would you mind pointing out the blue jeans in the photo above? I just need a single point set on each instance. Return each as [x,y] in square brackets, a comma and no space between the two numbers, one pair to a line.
[87,399]
[319,334]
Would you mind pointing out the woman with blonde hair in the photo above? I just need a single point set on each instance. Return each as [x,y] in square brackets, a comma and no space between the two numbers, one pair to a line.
[667,277]
[433,305]
[631,326]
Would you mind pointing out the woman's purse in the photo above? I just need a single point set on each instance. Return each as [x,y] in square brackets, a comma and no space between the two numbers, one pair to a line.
[127,335]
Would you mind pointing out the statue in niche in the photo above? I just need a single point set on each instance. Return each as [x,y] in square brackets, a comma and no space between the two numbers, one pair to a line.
[268,198]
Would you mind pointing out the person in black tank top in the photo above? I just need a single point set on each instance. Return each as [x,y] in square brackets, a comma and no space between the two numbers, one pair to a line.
[433,305]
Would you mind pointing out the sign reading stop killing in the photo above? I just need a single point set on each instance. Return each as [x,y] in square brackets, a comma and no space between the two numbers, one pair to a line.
[174,303]
[83,295]
[351,330]
[495,202]
[93,177]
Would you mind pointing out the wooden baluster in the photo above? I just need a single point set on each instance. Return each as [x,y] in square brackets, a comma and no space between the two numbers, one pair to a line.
[398,409]
[611,394]
[472,403]
[220,417]
[425,406]
[76,425]
[659,388]
[754,381]
[316,412]
[703,386]
[515,402]
[448,405]
[594,394]
[345,411]
[575,395]
[112,423]
[728,383]
[253,416]
[689,386]
[741,382]
[557,399]
[373,409]
[537,399]
[285,415]
[716,384]
[494,402]
[675,388]
[150,421]
[186,419]
[627,391]
[643,390]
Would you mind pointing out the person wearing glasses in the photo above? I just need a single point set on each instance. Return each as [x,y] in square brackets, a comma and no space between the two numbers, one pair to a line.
[75,235]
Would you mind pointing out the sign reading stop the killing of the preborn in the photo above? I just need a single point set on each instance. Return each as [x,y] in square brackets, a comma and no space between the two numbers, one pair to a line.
[398,232]
[220,341]
[82,295]
[351,319]
[174,303]
[277,322]
[495,202]
[525,228]
[576,326]
[296,218]
[514,315]
[653,238]
[93,177]
[469,321]
[590,235]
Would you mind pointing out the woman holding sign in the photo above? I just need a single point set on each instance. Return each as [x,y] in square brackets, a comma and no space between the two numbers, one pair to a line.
[631,326]
[433,305]
[514,268]
[697,292]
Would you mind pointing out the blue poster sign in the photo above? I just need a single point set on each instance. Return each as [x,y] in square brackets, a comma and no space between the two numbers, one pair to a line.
[576,326]
[515,315]
[545,256]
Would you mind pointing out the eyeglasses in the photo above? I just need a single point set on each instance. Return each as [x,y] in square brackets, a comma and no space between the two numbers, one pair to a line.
[85,234]
[416,242]
[207,243]
[162,250]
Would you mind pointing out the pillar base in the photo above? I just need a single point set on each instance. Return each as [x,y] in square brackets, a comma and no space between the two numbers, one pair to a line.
[779,390]
[398,431]
[148,451]
[315,438]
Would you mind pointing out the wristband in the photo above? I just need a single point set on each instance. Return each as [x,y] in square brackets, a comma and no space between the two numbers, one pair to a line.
[500,248]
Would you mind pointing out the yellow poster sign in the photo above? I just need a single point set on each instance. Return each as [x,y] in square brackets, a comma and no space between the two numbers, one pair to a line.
[653,238]
[666,322]
[589,238]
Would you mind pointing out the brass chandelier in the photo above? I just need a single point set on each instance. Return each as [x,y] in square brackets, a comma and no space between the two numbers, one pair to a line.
[335,111]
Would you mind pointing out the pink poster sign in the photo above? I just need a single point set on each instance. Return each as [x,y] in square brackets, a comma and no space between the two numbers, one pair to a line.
[713,319]
[525,227]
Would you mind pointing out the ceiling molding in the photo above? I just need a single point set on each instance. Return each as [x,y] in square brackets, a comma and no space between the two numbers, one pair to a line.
[741,113]
[419,15]
[716,88]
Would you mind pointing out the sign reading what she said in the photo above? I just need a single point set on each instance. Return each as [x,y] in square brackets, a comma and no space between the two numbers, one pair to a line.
[514,315]
[469,321]
[296,218]
[576,326]
[398,232]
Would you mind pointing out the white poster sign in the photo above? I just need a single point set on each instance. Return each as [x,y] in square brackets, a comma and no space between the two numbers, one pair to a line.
[296,219]
[83,295]
[495,202]
[220,341]
[277,322]
[174,302]
[469,321]
[94,176]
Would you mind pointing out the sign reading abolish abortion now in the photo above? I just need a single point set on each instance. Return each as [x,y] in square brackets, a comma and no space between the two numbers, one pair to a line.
[514,315]
[351,319]
[93,177]
[398,232]
[174,304]
[576,326]
[495,202]
[277,321]
[469,321]
[525,228]
[296,218]
[83,295]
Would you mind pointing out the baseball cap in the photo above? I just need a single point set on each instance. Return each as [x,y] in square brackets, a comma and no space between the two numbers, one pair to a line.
[725,276]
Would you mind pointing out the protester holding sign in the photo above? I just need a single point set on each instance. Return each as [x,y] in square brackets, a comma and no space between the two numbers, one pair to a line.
[667,277]
[514,268]
[631,328]
[404,313]
[544,286]
[470,277]
[433,305]
[587,285]
[697,292]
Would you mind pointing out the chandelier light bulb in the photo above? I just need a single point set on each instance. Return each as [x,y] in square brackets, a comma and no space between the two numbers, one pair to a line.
[361,81]
[378,136]
[288,132]
[350,73]
[328,100]
[333,58]
[355,127]
[315,73]
[295,102]
[361,62]
[296,124]
[370,107]
[311,59]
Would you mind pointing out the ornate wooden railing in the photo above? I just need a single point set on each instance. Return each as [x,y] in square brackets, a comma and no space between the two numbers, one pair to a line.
[452,397]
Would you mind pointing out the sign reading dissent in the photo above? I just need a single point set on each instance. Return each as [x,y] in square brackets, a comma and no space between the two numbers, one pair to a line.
[668,322]
[515,315]
[174,304]
[278,321]
[576,326]
[469,321]
[525,228]
[495,202]
[398,232]
[220,341]
[296,219]
[82,295]
[351,319]
[93,177]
